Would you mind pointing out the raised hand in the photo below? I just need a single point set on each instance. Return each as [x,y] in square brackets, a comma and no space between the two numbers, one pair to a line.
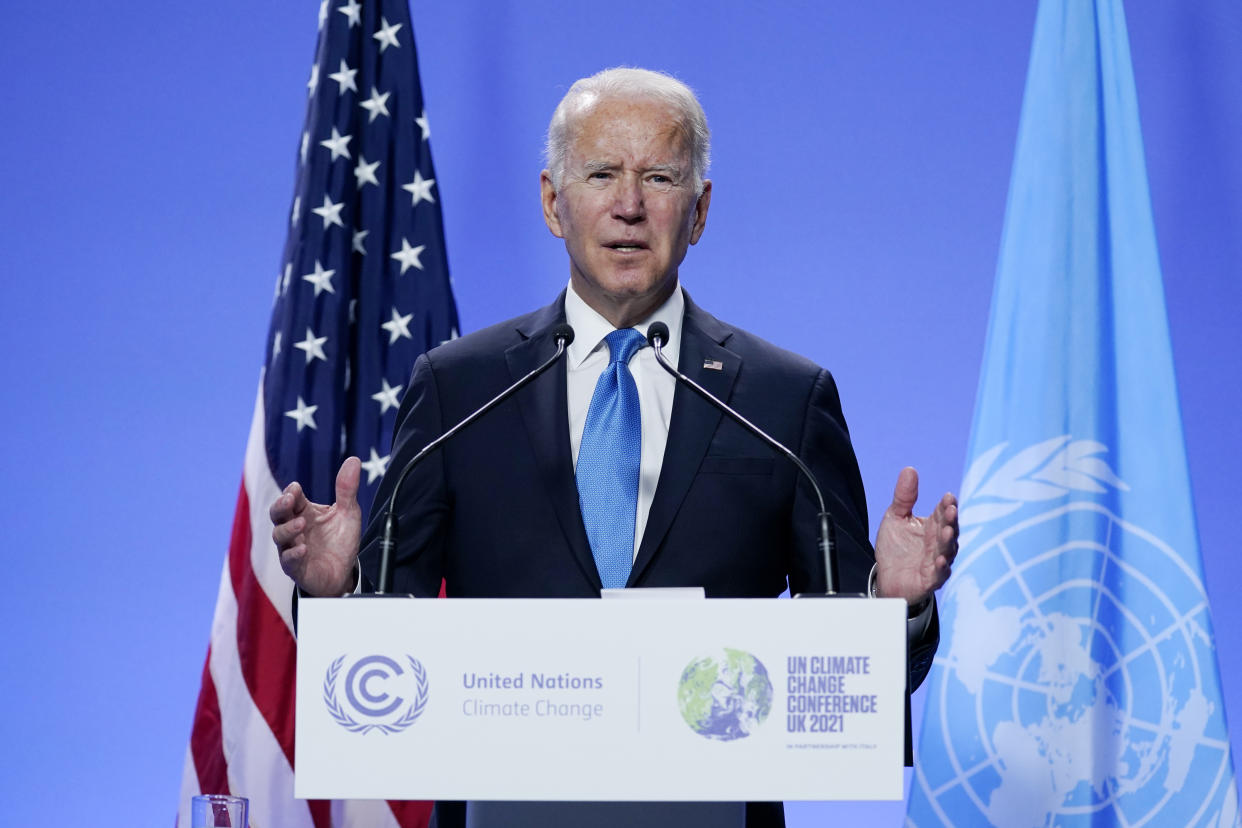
[318,544]
[914,555]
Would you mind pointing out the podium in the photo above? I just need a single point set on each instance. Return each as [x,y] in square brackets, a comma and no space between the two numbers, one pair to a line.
[532,700]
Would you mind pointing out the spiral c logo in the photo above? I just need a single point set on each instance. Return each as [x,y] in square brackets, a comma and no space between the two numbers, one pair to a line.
[355,686]
[371,692]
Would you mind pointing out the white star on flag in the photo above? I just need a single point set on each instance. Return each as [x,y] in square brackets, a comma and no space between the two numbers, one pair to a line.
[337,144]
[345,78]
[359,236]
[293,214]
[387,35]
[419,188]
[377,104]
[313,346]
[376,466]
[350,10]
[323,12]
[424,125]
[387,396]
[304,414]
[397,327]
[408,256]
[276,345]
[365,173]
[321,279]
[329,212]
[305,146]
[314,79]
[284,285]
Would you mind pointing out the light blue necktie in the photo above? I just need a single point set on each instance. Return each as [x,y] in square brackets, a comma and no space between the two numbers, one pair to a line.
[608,462]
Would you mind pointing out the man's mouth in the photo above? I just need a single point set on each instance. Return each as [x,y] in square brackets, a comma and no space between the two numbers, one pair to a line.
[626,247]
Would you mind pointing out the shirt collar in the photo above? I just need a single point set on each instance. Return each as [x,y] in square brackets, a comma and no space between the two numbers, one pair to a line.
[590,327]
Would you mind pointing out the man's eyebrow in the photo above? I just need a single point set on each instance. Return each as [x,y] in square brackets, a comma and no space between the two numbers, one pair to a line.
[606,166]
[672,169]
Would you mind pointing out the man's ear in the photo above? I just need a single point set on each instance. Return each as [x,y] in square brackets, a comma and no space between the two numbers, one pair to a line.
[548,196]
[700,212]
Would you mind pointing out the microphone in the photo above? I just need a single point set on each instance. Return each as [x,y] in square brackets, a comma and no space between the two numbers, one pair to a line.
[657,336]
[563,334]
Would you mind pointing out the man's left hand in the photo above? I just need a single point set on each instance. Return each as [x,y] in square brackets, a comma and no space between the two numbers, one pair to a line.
[913,555]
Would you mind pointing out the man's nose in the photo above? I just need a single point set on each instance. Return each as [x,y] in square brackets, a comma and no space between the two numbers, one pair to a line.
[627,203]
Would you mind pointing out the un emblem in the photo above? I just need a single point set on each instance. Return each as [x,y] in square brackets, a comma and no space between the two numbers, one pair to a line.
[1079,685]
[373,687]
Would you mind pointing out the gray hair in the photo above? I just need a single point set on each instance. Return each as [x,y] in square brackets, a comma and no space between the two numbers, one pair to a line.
[624,82]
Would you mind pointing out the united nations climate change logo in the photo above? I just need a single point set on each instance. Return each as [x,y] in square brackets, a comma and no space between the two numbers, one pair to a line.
[1079,685]
[725,696]
[373,688]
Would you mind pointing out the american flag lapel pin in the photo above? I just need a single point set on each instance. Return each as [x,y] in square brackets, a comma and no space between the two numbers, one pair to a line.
[713,365]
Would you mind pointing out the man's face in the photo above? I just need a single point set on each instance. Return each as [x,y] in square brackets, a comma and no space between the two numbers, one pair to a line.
[627,208]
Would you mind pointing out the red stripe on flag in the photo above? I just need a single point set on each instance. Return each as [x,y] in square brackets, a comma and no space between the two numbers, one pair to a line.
[265,648]
[411,814]
[206,737]
[321,812]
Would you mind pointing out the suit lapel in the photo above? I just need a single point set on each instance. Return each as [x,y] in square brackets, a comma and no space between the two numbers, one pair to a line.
[693,424]
[544,410]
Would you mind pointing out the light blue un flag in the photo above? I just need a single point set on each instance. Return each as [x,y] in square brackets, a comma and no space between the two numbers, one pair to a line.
[1077,684]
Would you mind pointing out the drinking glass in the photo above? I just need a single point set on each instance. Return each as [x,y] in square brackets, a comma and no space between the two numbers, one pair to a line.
[219,811]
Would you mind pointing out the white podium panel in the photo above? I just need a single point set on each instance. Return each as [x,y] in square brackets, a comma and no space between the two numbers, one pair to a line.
[584,700]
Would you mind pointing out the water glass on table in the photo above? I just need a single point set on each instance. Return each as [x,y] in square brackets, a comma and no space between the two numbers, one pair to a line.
[219,811]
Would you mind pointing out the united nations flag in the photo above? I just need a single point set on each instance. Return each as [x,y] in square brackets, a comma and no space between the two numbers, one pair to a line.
[1077,684]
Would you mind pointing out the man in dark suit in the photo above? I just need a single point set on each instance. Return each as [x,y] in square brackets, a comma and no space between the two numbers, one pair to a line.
[605,472]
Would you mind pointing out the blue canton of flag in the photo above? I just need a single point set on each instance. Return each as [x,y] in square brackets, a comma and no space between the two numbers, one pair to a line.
[364,287]
[1079,683]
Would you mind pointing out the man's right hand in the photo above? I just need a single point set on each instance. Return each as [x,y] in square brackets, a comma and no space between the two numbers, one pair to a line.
[318,545]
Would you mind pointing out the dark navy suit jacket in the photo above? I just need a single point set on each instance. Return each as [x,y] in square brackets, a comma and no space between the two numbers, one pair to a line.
[495,512]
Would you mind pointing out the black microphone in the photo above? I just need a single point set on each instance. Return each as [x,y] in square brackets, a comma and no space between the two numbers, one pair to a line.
[563,334]
[657,336]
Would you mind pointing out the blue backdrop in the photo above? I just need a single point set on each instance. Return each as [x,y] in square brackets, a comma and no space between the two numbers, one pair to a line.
[862,159]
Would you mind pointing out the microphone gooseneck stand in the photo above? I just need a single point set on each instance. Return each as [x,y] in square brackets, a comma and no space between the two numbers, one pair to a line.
[563,334]
[657,336]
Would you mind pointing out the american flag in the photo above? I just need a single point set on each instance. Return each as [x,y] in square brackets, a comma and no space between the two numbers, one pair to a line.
[362,290]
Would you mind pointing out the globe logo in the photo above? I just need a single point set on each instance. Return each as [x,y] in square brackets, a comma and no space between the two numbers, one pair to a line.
[725,696]
[1079,685]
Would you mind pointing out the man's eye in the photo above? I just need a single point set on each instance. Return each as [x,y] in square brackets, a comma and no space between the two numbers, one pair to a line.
[599,175]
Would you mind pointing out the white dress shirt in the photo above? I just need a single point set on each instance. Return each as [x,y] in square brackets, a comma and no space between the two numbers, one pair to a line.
[586,360]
